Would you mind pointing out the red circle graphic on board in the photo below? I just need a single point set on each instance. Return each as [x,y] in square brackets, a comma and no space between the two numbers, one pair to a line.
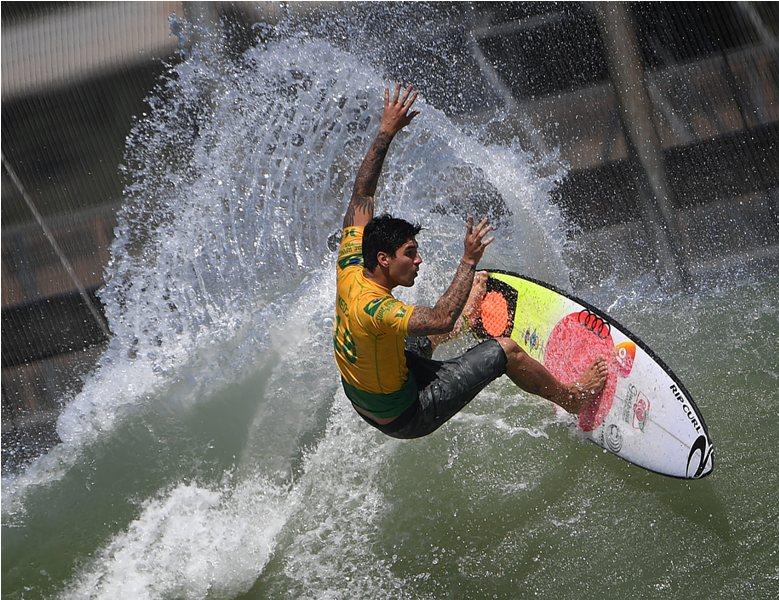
[575,342]
[494,313]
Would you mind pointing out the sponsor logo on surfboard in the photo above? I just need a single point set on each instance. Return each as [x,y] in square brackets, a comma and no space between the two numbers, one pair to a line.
[533,341]
[640,412]
[612,437]
[686,408]
[704,448]
[626,354]
[630,399]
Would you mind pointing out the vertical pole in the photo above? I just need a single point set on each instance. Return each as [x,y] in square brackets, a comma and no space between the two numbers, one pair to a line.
[96,314]
[627,76]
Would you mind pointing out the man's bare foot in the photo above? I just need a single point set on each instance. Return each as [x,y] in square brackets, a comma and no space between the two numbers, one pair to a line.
[586,388]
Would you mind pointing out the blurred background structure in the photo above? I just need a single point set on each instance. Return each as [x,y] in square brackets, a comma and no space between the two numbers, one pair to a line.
[667,115]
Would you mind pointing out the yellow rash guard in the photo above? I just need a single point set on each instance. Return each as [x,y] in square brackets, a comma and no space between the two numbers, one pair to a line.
[369,336]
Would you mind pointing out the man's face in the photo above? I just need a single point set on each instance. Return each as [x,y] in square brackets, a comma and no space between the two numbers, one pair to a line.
[404,266]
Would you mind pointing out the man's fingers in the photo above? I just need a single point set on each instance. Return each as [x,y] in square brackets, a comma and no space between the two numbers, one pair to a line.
[413,98]
[482,224]
[482,229]
[469,225]
[487,242]
[480,235]
[386,97]
[397,93]
[406,94]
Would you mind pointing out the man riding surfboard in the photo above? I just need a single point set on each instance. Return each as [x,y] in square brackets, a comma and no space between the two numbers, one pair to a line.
[383,347]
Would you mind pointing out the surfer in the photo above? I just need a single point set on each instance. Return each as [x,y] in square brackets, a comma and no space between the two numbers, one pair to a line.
[383,347]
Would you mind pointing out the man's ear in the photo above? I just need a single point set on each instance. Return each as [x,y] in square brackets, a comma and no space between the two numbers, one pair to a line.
[383,259]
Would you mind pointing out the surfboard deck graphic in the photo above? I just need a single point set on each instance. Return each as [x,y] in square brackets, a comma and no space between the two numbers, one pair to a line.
[643,415]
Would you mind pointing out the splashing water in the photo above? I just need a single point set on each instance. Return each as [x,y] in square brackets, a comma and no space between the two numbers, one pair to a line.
[221,269]
[238,176]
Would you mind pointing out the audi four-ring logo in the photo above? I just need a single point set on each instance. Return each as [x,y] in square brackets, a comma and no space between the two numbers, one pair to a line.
[594,323]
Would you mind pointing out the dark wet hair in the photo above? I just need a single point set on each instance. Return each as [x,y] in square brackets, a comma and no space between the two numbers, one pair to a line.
[385,234]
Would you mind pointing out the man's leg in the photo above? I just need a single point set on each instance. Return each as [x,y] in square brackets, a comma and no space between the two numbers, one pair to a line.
[533,377]
[446,387]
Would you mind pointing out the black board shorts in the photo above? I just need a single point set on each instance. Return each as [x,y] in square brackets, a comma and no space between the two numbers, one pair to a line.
[445,387]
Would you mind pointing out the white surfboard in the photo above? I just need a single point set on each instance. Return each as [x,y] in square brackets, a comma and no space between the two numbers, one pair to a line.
[644,413]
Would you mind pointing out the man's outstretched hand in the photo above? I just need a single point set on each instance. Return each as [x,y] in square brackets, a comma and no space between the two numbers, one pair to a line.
[397,112]
[397,115]
[475,243]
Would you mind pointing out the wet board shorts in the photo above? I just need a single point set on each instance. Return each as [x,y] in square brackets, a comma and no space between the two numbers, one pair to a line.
[445,387]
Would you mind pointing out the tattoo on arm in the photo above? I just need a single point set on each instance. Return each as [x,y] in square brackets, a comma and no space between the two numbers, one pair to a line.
[361,207]
[370,169]
[443,316]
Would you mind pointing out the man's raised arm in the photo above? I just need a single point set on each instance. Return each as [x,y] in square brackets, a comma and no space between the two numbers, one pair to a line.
[396,116]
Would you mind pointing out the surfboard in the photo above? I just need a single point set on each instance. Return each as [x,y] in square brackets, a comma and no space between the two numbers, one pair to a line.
[644,414]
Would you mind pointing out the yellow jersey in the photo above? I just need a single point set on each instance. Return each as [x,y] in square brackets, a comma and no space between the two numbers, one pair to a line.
[369,335]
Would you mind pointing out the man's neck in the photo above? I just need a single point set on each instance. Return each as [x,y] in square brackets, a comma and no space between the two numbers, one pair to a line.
[379,277]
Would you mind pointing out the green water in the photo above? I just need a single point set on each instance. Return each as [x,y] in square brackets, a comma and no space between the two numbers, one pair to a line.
[504,501]
[477,512]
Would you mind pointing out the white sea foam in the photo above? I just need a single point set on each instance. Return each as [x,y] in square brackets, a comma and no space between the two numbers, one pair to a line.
[499,424]
[83,420]
[195,541]
[330,542]
[190,542]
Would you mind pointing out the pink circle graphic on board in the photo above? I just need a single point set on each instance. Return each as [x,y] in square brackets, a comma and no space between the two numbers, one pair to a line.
[575,342]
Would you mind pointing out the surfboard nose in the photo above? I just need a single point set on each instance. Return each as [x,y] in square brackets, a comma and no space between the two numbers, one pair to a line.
[700,461]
